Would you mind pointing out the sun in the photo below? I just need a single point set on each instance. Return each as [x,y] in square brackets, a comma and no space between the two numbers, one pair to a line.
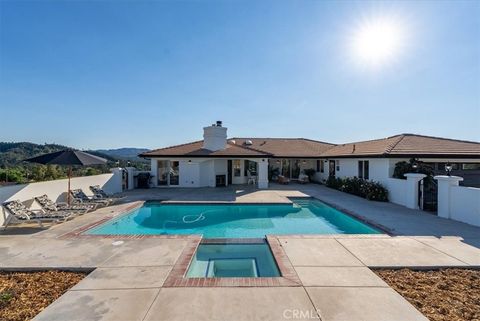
[378,41]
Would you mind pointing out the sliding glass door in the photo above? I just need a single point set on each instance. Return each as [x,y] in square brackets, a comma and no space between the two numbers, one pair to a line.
[168,173]
[162,173]
[174,172]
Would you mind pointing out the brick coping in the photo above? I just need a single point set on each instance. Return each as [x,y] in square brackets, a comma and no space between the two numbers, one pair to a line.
[177,276]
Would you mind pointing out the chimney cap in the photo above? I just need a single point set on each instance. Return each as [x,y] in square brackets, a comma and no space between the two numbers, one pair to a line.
[219,123]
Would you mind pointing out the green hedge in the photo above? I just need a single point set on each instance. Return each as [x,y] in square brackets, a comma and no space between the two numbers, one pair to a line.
[370,190]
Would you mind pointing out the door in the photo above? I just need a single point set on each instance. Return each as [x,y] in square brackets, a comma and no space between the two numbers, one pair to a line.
[174,173]
[286,168]
[229,172]
[428,194]
[162,172]
[331,168]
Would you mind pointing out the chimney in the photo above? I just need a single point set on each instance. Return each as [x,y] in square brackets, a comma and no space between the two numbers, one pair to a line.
[215,137]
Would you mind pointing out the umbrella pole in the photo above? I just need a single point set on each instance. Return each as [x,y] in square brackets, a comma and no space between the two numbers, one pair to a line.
[69,176]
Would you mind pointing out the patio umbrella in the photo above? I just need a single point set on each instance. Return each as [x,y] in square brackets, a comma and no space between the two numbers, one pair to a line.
[68,157]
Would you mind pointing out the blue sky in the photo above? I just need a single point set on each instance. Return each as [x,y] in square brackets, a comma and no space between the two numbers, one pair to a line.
[105,74]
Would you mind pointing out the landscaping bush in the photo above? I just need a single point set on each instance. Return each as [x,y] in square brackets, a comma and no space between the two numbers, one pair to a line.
[370,190]
[333,182]
[402,168]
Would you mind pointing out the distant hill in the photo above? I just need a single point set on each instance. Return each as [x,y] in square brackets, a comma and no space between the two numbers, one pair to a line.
[13,153]
[127,153]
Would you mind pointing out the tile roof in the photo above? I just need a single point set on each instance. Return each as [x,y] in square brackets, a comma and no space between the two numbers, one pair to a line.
[407,145]
[196,149]
[286,147]
[403,145]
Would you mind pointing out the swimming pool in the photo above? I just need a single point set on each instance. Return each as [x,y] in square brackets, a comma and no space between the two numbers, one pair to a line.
[303,216]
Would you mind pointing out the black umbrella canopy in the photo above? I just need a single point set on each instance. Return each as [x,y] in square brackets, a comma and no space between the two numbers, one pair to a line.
[68,157]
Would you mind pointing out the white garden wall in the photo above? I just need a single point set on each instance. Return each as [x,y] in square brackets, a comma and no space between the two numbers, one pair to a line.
[397,189]
[465,204]
[56,190]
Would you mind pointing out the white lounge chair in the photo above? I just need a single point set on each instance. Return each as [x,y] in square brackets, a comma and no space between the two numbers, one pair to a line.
[19,213]
[79,197]
[48,205]
[101,194]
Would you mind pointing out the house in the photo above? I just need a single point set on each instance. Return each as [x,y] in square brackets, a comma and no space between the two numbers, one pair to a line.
[219,161]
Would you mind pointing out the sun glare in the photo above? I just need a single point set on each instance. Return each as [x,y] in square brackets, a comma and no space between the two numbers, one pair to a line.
[378,41]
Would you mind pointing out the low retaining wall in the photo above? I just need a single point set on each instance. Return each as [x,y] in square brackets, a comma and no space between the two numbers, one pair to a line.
[57,189]
[397,190]
[465,204]
[458,202]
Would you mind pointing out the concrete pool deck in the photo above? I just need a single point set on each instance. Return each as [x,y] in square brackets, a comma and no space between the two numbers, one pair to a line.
[336,280]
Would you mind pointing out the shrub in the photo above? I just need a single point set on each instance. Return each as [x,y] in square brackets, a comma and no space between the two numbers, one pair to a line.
[334,182]
[402,168]
[370,190]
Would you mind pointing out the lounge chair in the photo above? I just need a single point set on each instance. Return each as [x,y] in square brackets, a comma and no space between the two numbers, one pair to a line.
[48,205]
[18,212]
[283,180]
[101,194]
[79,197]
[303,179]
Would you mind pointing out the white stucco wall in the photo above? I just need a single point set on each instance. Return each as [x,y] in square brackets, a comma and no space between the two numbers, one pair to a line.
[397,189]
[465,204]
[57,189]
[189,174]
[380,170]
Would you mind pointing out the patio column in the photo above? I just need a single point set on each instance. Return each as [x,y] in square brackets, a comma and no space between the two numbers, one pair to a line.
[131,173]
[154,171]
[444,186]
[263,173]
[411,196]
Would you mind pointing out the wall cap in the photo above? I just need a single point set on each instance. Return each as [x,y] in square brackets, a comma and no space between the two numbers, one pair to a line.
[448,178]
[415,175]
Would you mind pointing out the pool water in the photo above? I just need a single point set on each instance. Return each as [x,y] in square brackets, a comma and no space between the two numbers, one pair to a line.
[303,216]
[233,260]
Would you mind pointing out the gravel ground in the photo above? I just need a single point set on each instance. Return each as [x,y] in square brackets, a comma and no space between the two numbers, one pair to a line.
[24,295]
[442,295]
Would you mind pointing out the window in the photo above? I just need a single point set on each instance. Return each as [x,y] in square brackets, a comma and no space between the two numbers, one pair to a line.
[320,166]
[250,166]
[363,169]
[236,168]
[337,163]
[471,166]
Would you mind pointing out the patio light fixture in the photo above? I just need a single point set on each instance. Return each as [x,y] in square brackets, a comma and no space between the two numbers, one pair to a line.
[448,169]
[415,166]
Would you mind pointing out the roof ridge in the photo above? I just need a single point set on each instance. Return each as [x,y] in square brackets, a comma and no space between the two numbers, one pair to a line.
[392,146]
[249,148]
[173,146]
[285,138]
[437,137]
[365,141]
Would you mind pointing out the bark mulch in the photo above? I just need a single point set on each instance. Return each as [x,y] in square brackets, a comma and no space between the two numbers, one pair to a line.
[441,295]
[24,294]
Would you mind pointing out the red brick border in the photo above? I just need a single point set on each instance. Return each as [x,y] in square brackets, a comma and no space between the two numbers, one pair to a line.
[177,278]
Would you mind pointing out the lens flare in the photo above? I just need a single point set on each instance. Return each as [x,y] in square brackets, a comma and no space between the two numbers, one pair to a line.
[378,41]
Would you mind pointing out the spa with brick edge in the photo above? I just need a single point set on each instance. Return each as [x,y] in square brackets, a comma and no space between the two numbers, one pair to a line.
[177,277]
